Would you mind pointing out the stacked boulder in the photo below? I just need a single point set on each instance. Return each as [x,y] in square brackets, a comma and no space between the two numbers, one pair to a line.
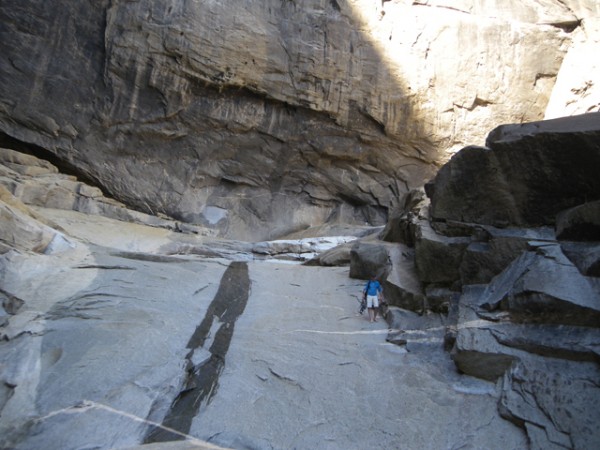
[505,243]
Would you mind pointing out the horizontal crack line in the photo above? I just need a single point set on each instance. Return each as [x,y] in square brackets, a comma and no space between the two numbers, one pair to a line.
[386,331]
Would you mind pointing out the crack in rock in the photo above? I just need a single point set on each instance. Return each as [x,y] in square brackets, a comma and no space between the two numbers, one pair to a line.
[287,379]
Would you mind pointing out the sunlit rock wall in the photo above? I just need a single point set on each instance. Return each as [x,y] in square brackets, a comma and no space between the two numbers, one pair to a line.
[259,118]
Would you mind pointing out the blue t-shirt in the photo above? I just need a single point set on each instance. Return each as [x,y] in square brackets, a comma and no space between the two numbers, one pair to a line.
[373,287]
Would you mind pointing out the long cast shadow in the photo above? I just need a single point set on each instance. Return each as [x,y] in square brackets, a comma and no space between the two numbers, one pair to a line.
[202,383]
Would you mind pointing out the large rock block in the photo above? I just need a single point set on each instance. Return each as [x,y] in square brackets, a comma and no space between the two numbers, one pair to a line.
[544,286]
[438,257]
[566,342]
[337,256]
[487,345]
[581,223]
[525,176]
[416,332]
[369,259]
[402,286]
[476,352]
[402,225]
[586,256]
[493,249]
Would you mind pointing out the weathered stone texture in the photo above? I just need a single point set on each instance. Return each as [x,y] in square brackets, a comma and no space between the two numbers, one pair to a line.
[555,401]
[525,176]
[262,118]
[581,223]
[522,300]
[369,259]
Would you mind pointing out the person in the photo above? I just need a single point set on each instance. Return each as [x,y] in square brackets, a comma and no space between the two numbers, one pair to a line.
[372,290]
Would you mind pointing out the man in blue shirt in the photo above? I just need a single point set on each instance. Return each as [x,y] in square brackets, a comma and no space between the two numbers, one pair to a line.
[372,290]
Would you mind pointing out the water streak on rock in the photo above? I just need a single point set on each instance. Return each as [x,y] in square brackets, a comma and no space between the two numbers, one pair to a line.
[228,304]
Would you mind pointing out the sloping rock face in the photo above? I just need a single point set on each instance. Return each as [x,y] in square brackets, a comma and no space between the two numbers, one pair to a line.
[262,118]
[131,334]
[506,247]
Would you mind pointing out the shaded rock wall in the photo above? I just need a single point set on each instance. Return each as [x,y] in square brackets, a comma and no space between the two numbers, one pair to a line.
[524,176]
[262,118]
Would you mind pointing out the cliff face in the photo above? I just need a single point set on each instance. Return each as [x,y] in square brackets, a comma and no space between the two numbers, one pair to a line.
[262,118]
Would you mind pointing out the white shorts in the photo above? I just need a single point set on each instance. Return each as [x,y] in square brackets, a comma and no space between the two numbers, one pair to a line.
[372,301]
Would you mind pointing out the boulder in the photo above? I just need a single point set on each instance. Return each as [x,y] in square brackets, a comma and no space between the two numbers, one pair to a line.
[585,256]
[438,257]
[440,300]
[368,259]
[480,327]
[566,342]
[337,256]
[402,287]
[525,176]
[476,352]
[543,286]
[416,332]
[493,249]
[471,188]
[487,345]
[581,223]
[302,249]
[402,226]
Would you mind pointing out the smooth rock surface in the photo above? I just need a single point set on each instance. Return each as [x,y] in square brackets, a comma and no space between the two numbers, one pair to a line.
[102,345]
